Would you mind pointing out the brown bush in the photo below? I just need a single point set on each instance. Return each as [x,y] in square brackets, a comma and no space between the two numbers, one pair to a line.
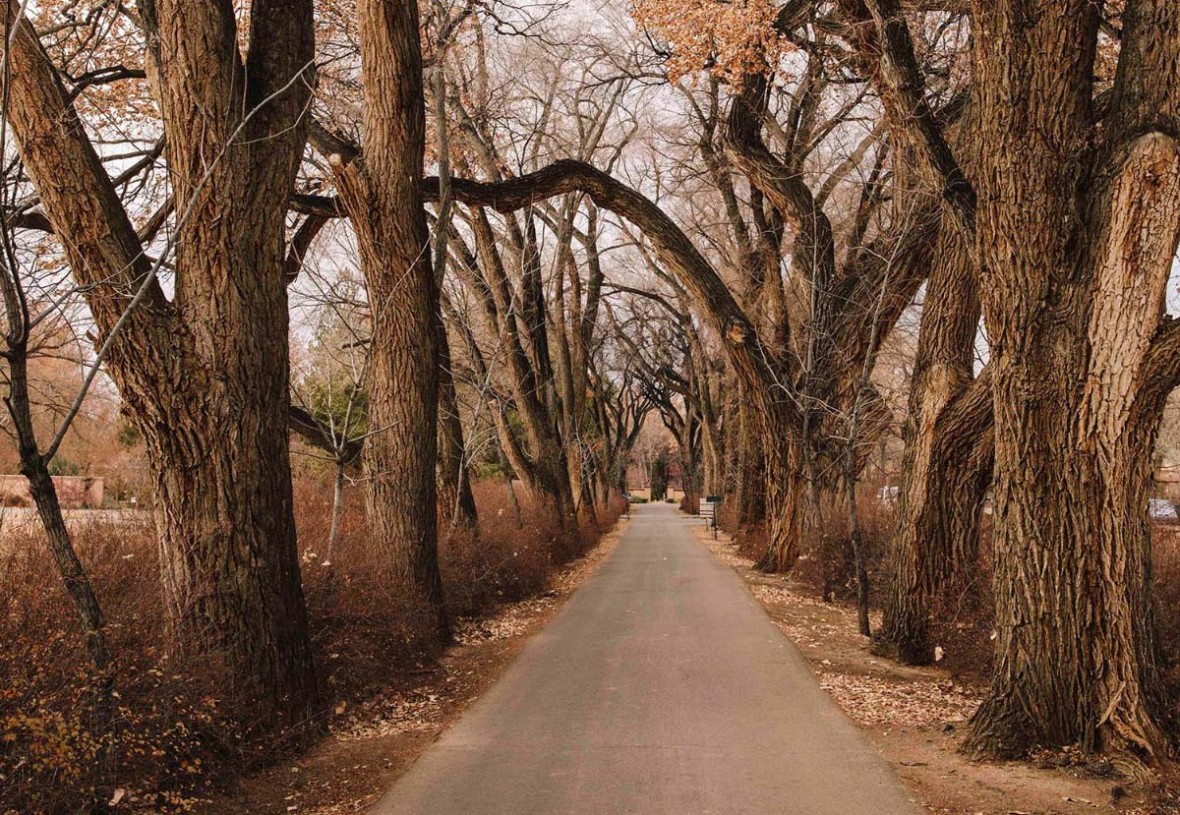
[962,612]
[751,540]
[170,743]
[510,558]
[825,554]
[167,730]
[506,560]
[826,561]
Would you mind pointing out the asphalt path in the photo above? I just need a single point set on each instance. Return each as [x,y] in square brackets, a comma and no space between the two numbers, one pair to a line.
[662,687]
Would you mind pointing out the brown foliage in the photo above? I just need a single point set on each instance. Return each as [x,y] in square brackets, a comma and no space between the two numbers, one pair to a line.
[732,39]
[826,561]
[167,728]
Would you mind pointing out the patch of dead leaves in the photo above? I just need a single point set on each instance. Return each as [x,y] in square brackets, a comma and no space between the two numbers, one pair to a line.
[871,701]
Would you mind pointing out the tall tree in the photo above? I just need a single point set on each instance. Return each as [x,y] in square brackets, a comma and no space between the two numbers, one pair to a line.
[815,314]
[205,374]
[948,457]
[1075,223]
[381,190]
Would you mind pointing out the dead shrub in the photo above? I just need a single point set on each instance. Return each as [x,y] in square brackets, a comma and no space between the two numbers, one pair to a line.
[826,561]
[512,557]
[751,540]
[506,560]
[167,730]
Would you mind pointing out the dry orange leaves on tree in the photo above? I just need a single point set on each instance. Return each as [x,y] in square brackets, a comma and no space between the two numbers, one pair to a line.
[729,38]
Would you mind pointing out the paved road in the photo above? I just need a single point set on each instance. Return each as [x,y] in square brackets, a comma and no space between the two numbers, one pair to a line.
[661,688]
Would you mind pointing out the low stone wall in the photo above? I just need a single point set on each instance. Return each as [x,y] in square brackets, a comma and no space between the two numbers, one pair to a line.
[74,491]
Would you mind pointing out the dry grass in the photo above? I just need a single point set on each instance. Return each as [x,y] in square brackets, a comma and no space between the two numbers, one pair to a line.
[171,744]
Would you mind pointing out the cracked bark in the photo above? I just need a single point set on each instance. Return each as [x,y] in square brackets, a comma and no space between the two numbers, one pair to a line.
[204,376]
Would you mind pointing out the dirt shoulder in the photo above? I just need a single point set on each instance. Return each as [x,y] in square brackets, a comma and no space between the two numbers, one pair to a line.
[371,745]
[916,716]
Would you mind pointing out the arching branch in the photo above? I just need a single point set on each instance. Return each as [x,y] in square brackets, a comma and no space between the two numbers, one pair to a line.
[751,358]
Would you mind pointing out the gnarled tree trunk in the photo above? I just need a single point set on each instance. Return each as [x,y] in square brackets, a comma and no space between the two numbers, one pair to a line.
[204,376]
[750,494]
[1075,224]
[1076,269]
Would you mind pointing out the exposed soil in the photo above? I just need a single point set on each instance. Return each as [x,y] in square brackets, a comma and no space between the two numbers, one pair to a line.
[916,716]
[371,745]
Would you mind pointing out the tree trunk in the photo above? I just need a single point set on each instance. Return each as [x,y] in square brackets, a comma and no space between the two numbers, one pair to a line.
[382,193]
[688,476]
[713,455]
[456,501]
[228,556]
[337,511]
[947,460]
[787,491]
[1077,264]
[205,376]
[1075,656]
[937,538]
[857,544]
[751,471]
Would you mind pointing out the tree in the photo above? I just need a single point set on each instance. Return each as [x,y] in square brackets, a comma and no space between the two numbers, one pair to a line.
[542,327]
[329,402]
[814,315]
[204,374]
[1075,222]
[456,501]
[948,458]
[36,462]
[380,189]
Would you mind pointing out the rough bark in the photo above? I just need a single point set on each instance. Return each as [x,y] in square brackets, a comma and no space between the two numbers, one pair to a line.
[1077,232]
[381,191]
[204,376]
[1076,226]
[947,459]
